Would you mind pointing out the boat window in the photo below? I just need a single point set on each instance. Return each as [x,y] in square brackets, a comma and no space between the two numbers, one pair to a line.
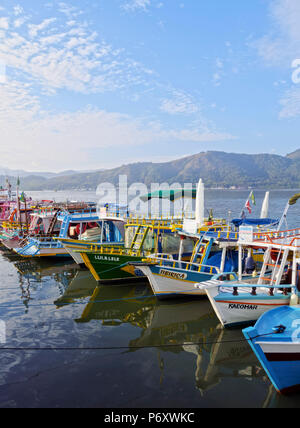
[149,243]
[170,243]
[129,235]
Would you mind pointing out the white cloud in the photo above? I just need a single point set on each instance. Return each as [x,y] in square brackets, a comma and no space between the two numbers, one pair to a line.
[4,23]
[18,10]
[290,103]
[57,54]
[281,46]
[180,103]
[282,42]
[133,5]
[42,140]
[35,29]
[73,57]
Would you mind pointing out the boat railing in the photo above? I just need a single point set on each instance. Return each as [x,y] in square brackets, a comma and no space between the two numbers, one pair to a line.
[14,225]
[226,235]
[115,250]
[285,237]
[166,262]
[229,280]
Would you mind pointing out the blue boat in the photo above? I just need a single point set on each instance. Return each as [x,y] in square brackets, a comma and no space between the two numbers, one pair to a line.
[275,340]
[69,225]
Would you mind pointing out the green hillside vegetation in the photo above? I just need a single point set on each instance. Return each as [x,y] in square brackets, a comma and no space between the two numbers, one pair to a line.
[217,169]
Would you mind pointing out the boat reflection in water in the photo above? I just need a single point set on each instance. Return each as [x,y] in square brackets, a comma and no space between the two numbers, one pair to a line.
[34,272]
[175,327]
[183,337]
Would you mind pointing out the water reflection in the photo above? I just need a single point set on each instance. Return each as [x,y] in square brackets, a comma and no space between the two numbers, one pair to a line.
[117,305]
[79,313]
[176,327]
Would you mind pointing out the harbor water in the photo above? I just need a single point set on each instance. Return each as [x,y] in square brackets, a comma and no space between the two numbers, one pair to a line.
[71,343]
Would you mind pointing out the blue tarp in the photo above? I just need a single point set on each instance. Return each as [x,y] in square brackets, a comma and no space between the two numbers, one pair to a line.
[254,222]
[231,261]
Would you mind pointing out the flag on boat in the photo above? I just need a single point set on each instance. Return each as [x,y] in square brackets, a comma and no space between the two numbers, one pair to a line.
[248,206]
[22,197]
[294,199]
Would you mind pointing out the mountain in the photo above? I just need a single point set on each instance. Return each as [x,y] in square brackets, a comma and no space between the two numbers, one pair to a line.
[294,155]
[21,173]
[217,169]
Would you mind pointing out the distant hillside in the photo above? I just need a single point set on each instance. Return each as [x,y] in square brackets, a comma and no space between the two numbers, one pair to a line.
[21,173]
[217,169]
[294,155]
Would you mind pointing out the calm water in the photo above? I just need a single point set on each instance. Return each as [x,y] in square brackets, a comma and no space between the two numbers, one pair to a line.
[144,357]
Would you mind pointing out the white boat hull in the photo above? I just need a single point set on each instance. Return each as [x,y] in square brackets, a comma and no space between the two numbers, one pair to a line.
[164,286]
[235,310]
[75,256]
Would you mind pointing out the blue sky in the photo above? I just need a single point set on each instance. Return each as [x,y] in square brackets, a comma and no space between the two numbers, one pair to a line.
[97,84]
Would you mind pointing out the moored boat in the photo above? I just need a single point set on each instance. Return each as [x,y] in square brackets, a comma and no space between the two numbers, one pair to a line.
[109,232]
[238,301]
[110,264]
[275,340]
[47,225]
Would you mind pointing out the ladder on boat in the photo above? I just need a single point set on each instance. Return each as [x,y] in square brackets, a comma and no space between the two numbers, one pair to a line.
[52,223]
[139,238]
[277,267]
[64,226]
[202,251]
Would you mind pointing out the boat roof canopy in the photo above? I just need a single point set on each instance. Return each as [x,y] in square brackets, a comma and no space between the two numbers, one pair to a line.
[254,222]
[171,194]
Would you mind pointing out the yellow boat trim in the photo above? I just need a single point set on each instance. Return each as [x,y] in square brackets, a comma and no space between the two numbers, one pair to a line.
[89,266]
[42,255]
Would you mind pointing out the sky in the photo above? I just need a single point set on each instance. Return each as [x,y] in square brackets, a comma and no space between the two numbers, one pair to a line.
[95,84]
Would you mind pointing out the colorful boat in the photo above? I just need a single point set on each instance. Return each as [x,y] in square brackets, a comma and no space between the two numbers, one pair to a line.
[111,221]
[237,301]
[213,251]
[33,222]
[61,223]
[142,237]
[275,340]
[170,275]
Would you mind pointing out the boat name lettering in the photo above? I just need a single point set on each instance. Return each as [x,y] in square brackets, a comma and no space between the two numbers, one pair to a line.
[107,258]
[174,275]
[239,306]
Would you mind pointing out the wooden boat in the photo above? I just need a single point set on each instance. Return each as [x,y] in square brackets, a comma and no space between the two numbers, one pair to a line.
[275,341]
[212,251]
[145,236]
[66,222]
[238,301]
[33,222]
[110,264]
[109,233]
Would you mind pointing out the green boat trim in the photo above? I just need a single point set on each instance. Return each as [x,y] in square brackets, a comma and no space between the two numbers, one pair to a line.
[112,266]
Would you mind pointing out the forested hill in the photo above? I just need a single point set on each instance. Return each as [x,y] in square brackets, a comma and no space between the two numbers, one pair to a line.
[217,169]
